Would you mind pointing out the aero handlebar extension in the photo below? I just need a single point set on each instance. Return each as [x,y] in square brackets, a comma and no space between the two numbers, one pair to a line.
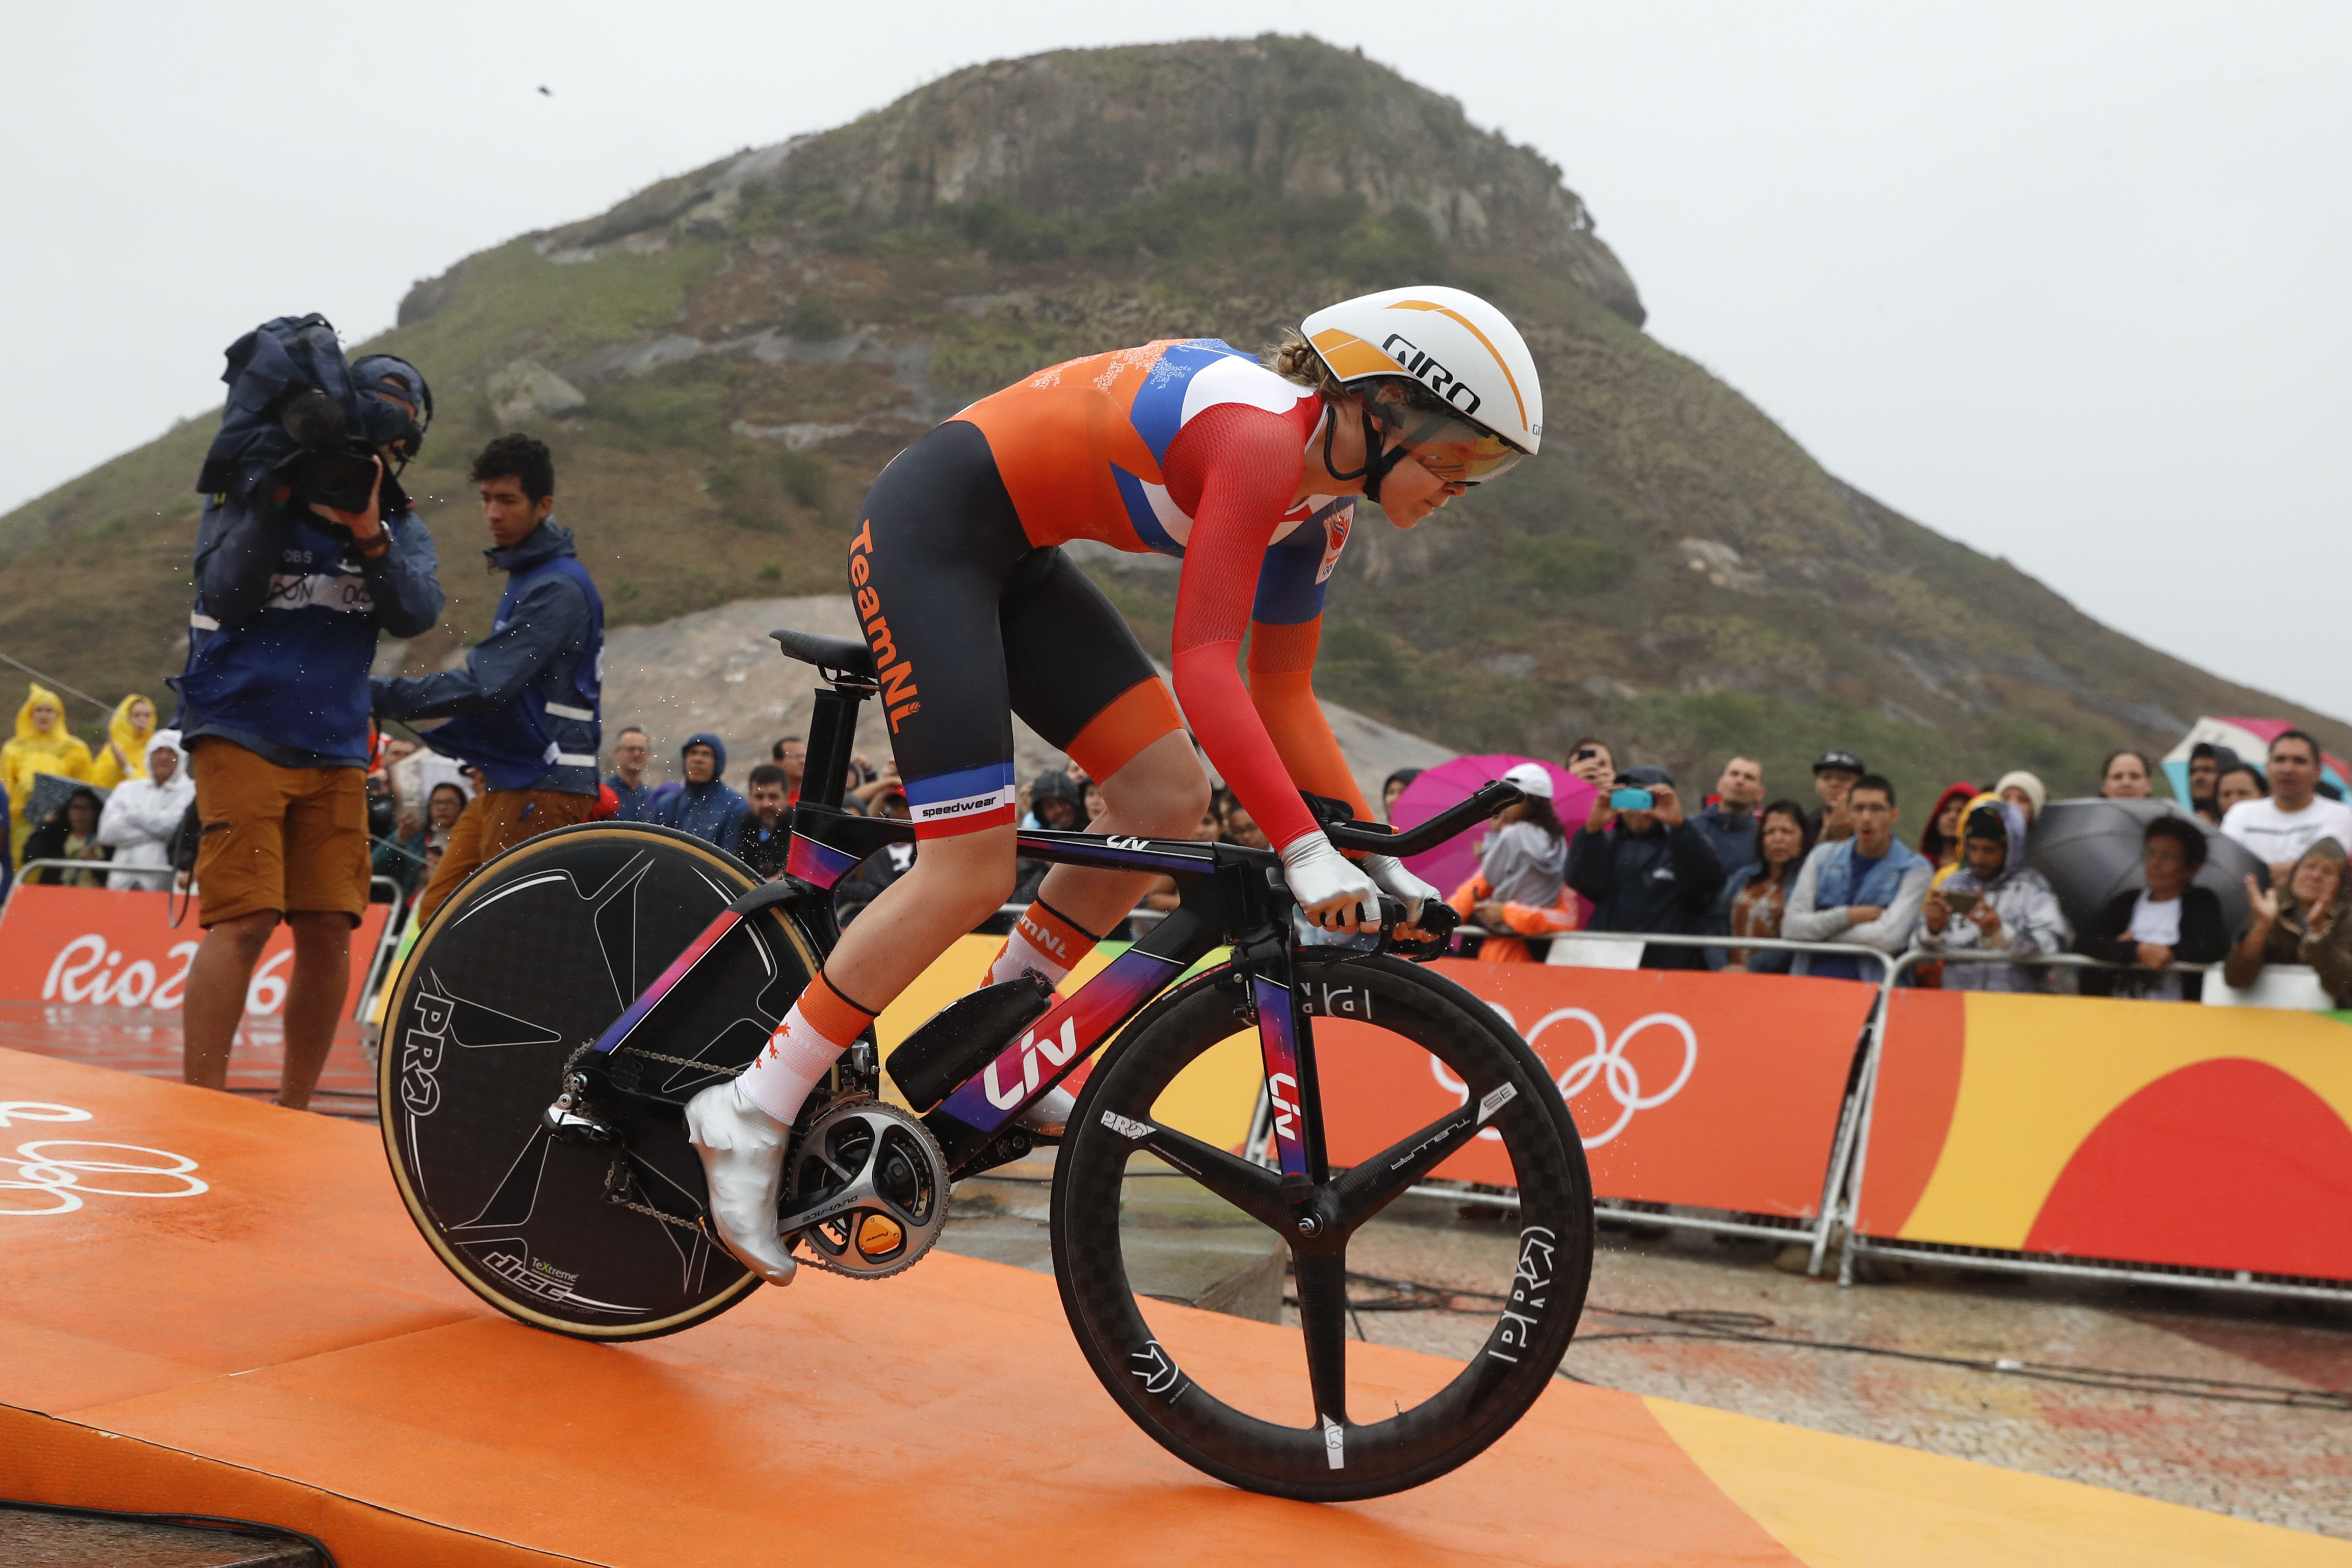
[1428,835]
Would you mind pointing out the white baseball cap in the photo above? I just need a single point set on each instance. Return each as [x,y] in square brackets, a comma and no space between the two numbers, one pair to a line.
[1531,778]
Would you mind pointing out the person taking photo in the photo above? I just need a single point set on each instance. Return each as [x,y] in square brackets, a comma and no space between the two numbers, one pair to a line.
[290,599]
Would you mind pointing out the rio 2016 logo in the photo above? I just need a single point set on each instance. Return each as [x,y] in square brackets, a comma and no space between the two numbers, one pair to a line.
[1606,1064]
[89,971]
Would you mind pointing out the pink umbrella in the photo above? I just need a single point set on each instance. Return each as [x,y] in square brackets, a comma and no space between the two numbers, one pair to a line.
[1456,862]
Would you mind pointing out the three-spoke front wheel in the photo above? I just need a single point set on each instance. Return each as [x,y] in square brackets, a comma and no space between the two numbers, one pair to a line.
[1364,1423]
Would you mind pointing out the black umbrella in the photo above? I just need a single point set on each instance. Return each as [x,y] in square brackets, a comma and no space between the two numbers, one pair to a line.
[2090,851]
[50,792]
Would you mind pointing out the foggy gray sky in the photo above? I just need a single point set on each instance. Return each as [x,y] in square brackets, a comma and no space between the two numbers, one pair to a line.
[2073,284]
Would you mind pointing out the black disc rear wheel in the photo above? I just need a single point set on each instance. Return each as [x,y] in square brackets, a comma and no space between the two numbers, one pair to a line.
[533,958]
[1336,1422]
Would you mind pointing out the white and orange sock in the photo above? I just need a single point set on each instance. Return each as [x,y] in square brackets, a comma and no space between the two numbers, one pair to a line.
[1044,940]
[822,1024]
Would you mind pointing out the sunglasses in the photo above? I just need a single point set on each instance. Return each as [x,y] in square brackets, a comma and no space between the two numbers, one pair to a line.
[1453,449]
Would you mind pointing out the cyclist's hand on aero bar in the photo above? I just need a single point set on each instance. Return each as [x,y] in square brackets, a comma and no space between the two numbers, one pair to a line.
[1389,875]
[1332,890]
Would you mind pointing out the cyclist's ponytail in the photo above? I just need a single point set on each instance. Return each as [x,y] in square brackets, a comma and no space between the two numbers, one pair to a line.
[1294,359]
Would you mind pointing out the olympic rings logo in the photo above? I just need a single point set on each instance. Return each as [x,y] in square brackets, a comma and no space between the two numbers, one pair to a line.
[1606,1064]
[57,1167]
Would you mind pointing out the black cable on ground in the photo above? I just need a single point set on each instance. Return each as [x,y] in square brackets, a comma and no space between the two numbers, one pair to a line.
[1743,1328]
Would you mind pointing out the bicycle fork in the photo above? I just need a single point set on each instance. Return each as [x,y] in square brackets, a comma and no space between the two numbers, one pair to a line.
[1295,1122]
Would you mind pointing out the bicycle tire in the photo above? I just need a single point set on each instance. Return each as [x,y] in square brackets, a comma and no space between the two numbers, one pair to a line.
[1435,1435]
[532,958]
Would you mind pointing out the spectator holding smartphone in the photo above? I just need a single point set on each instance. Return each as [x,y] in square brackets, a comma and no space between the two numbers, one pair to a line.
[1868,888]
[1995,902]
[1591,760]
[1646,867]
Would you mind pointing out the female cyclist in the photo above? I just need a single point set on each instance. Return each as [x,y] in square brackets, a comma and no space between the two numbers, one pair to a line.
[1188,448]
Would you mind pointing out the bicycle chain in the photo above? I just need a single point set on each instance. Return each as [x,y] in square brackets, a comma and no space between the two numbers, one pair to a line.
[711,1067]
[617,1182]
[616,1179]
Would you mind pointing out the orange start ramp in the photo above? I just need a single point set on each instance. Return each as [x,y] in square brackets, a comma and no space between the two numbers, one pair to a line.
[218,1307]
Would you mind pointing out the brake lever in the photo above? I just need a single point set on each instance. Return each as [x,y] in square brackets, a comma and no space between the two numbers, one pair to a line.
[1437,922]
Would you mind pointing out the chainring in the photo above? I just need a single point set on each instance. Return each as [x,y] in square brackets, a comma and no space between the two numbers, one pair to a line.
[874,1184]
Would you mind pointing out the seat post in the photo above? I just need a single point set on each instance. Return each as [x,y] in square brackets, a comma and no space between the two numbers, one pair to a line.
[833,738]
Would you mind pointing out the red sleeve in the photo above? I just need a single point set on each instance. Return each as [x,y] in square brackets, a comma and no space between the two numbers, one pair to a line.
[1235,469]
[1282,688]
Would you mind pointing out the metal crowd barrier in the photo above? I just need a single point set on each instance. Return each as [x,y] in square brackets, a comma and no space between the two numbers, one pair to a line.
[1855,1246]
[1843,1149]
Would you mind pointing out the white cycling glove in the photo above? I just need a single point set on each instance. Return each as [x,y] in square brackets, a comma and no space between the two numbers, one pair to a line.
[1333,892]
[1389,875]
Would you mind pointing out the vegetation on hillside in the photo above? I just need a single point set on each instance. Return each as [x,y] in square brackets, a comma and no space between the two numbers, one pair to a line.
[749,343]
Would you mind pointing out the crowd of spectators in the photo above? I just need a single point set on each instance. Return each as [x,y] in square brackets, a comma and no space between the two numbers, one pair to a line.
[1838,873]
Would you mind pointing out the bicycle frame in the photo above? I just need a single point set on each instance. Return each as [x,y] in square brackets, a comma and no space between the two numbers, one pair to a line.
[1230,895]
[1225,898]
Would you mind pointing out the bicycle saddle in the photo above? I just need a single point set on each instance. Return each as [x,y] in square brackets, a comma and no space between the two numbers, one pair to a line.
[849,656]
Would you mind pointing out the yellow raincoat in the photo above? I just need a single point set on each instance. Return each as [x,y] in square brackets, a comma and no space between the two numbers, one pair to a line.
[59,751]
[125,755]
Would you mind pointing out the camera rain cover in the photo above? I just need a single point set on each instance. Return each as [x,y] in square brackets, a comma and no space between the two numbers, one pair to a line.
[269,369]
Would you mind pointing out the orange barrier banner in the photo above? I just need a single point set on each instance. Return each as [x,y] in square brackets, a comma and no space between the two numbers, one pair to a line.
[2124,1131]
[1714,1090]
[91,946]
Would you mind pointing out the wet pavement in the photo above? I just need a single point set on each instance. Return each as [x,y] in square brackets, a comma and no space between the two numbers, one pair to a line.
[2219,1401]
[147,1042]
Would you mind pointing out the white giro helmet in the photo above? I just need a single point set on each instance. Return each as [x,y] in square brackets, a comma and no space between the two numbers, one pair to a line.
[1455,344]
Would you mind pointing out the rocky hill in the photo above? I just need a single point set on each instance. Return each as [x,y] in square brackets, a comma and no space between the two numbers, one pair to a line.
[724,360]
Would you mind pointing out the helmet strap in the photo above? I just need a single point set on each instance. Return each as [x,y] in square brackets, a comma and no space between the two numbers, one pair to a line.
[1377,461]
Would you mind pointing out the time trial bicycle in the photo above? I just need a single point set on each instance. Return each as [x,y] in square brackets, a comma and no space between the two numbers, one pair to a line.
[559,1010]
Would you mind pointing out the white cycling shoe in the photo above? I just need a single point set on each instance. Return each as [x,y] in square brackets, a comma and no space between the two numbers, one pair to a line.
[742,1150]
[1051,1114]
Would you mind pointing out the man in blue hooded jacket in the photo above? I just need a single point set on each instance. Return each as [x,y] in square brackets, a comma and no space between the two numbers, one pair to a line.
[525,707]
[273,700]
[702,805]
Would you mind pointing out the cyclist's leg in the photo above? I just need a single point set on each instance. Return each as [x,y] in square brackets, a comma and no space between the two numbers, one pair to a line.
[954,884]
[1079,678]
[938,542]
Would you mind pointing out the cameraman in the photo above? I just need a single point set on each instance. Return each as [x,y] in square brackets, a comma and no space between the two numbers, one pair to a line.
[274,713]
[525,707]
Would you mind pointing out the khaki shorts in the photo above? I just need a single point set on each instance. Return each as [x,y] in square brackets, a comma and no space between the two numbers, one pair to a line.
[291,840]
[492,823]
